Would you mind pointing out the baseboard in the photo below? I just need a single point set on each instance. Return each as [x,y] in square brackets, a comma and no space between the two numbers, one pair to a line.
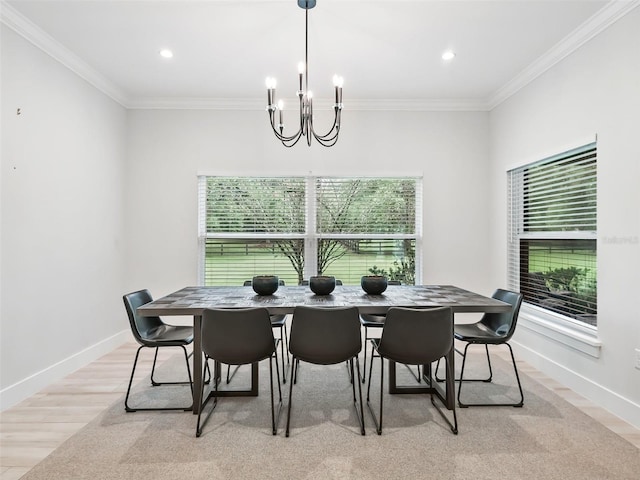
[605,398]
[31,385]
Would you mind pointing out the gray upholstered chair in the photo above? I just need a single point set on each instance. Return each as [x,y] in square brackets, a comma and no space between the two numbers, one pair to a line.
[491,329]
[376,321]
[413,337]
[326,336]
[278,322]
[238,337]
[152,332]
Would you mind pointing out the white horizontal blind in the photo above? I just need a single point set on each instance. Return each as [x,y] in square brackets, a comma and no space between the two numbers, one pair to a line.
[552,210]
[377,206]
[299,226]
[560,195]
[255,206]
[251,226]
[367,226]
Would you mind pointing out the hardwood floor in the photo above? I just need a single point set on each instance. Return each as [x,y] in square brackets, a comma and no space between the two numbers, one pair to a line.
[37,426]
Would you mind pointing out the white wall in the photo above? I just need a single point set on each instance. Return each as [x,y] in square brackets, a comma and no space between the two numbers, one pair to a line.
[596,90]
[168,148]
[62,221]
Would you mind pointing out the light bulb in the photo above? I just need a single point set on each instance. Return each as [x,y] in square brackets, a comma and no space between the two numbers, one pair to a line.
[280,105]
[301,68]
[270,82]
[448,55]
[338,81]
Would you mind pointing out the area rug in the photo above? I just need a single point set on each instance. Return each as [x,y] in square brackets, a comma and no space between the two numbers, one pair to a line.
[546,439]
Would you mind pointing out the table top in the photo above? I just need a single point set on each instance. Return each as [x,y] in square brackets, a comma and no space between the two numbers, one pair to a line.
[193,300]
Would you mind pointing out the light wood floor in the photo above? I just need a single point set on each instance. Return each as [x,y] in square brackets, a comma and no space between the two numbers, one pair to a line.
[37,426]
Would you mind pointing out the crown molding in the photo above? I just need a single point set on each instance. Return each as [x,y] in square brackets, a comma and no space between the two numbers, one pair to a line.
[45,42]
[598,22]
[254,104]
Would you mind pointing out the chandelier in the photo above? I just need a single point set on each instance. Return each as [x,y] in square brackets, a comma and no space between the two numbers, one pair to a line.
[306,127]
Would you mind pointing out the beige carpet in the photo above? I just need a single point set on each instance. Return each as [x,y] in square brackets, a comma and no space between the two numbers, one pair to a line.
[546,439]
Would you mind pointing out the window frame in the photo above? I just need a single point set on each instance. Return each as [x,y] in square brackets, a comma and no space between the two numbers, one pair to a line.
[562,328]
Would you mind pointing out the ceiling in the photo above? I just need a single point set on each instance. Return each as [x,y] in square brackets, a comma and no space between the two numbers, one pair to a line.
[388,51]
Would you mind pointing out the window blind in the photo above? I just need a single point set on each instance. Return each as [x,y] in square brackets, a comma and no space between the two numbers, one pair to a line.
[552,215]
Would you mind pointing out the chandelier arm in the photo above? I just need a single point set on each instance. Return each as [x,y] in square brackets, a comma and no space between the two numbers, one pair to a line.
[331,134]
[280,136]
[292,141]
[326,138]
[328,142]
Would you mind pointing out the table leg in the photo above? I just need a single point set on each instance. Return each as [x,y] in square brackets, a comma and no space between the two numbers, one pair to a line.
[450,383]
[197,363]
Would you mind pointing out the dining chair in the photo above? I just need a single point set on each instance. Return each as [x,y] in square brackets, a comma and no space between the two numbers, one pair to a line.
[413,337]
[238,337]
[278,322]
[326,336]
[491,329]
[297,364]
[152,332]
[376,321]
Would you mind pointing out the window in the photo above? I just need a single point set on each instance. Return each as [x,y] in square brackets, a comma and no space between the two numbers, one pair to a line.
[552,234]
[295,227]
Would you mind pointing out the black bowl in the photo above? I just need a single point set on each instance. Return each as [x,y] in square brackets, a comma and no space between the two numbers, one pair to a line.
[322,285]
[265,284]
[373,284]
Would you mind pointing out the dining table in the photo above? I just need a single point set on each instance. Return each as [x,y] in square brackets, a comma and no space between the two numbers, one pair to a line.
[193,300]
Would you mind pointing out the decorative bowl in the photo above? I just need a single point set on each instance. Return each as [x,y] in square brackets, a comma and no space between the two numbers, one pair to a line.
[265,284]
[374,284]
[322,285]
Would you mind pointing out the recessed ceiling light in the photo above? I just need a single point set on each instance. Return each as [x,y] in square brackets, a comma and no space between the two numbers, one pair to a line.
[448,55]
[166,53]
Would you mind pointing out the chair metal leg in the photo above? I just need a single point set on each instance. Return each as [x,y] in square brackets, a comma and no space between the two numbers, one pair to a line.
[486,380]
[154,383]
[284,340]
[359,411]
[378,424]
[133,371]
[378,420]
[294,371]
[520,403]
[294,362]
[349,371]
[275,420]
[366,341]
[231,375]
